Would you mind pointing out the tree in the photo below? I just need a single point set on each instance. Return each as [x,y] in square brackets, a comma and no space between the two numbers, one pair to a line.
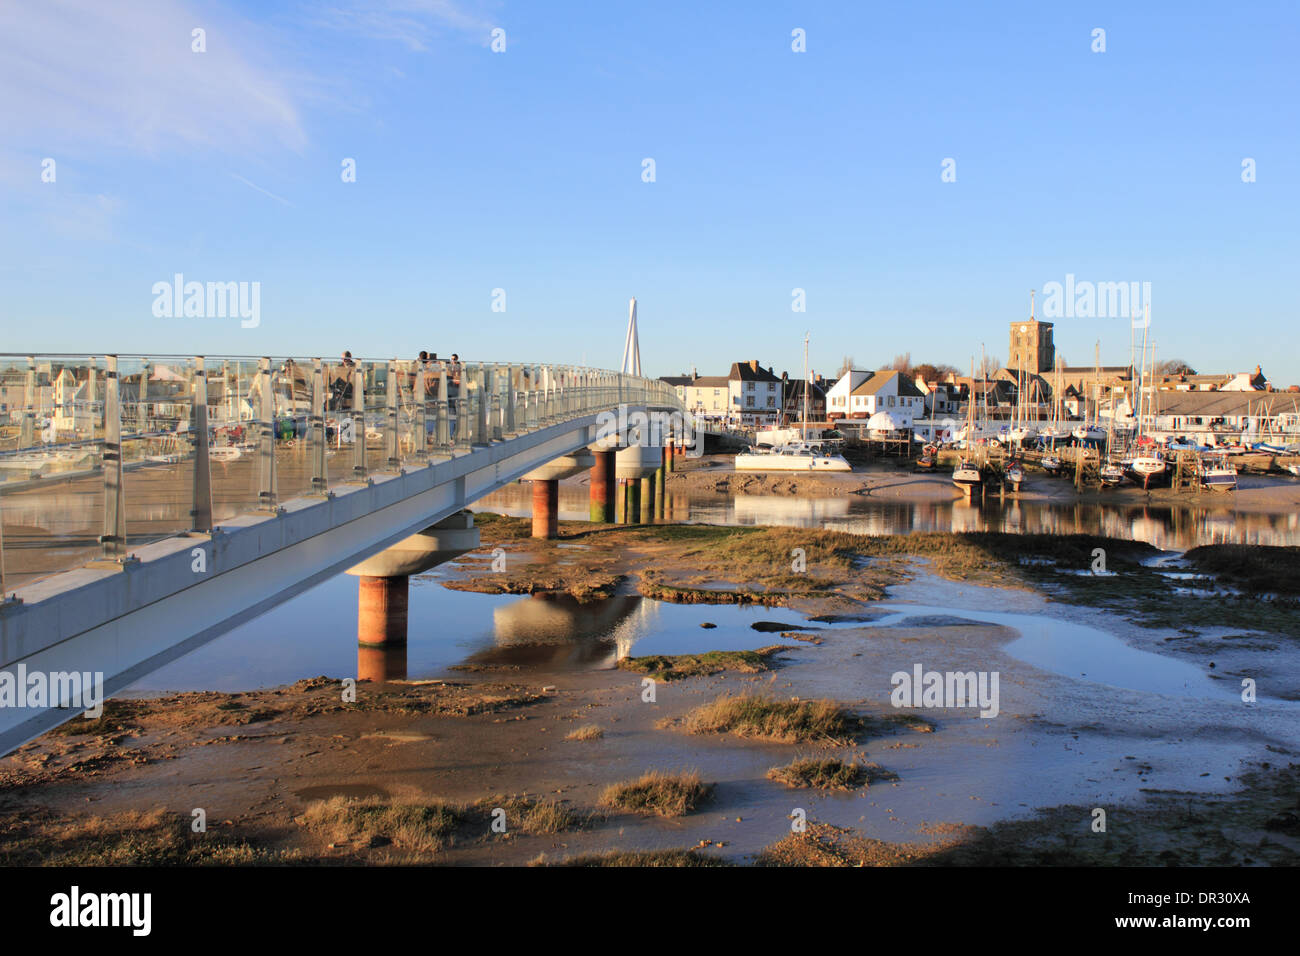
[988,365]
[903,363]
[846,365]
[932,372]
[1174,367]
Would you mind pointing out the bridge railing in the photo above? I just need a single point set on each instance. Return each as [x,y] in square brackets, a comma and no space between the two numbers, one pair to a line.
[100,455]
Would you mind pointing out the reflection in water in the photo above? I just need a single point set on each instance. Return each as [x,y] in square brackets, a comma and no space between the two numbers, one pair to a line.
[1168,526]
[557,630]
[381,664]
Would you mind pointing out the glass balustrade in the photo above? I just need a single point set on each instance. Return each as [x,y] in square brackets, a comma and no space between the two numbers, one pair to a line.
[100,455]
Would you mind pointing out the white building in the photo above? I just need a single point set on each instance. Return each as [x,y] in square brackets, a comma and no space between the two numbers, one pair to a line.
[860,394]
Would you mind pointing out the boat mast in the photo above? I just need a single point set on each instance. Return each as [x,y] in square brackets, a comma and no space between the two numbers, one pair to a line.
[804,423]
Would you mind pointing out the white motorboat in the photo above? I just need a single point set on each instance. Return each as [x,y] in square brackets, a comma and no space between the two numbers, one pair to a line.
[224,453]
[967,477]
[1218,474]
[1089,433]
[796,456]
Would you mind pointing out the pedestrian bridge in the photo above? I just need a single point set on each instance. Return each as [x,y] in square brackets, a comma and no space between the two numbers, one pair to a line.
[150,504]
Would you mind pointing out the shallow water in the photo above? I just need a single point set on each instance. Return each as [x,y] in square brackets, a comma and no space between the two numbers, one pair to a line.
[314,633]
[1078,651]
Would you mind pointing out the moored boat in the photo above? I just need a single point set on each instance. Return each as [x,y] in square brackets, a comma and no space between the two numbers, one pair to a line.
[967,477]
[1112,474]
[1148,470]
[1218,474]
[1015,475]
[796,456]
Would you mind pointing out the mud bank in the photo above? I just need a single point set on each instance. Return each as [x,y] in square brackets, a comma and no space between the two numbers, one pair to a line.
[415,771]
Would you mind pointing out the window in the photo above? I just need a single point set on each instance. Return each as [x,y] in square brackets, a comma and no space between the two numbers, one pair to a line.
[749,401]
[771,403]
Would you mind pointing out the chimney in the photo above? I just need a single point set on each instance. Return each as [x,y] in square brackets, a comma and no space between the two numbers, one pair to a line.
[753,365]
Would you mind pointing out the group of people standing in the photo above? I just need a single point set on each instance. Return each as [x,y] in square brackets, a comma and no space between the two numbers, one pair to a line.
[426,367]
[432,367]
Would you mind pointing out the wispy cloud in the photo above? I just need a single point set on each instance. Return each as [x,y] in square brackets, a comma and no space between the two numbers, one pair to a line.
[85,72]
[413,23]
[264,192]
[60,209]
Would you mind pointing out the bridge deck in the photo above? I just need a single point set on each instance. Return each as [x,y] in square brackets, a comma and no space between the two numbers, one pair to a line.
[160,588]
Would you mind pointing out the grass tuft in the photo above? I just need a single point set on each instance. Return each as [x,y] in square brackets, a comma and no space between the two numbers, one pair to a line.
[766,718]
[656,792]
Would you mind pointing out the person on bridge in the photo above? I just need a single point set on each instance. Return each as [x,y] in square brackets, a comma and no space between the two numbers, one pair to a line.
[341,387]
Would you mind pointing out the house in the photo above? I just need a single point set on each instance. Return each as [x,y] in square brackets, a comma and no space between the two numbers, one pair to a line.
[1229,410]
[74,403]
[860,394]
[705,396]
[14,395]
[755,393]
[792,400]
[1239,382]
[940,398]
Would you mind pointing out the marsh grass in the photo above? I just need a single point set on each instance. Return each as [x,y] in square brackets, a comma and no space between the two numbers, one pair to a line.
[118,716]
[767,718]
[1256,569]
[528,815]
[585,732]
[829,773]
[669,667]
[657,792]
[417,827]
[156,837]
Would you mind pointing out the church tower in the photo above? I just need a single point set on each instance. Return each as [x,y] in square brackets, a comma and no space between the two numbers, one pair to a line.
[1031,349]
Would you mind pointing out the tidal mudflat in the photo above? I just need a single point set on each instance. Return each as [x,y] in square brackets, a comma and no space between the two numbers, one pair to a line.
[587,727]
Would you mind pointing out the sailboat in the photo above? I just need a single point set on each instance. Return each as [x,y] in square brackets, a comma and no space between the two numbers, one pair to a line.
[967,476]
[802,455]
[1091,429]
[1147,467]
[1055,429]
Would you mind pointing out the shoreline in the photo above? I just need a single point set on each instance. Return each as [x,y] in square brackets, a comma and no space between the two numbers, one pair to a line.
[888,480]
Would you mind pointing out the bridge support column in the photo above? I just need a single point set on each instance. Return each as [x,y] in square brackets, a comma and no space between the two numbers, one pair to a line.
[632,510]
[382,592]
[381,610]
[602,494]
[647,499]
[546,508]
[660,479]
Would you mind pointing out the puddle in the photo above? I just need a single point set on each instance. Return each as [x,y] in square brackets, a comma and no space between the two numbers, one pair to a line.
[356,791]
[1083,653]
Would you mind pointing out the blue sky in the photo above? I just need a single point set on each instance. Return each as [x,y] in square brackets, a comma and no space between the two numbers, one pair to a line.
[775,170]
